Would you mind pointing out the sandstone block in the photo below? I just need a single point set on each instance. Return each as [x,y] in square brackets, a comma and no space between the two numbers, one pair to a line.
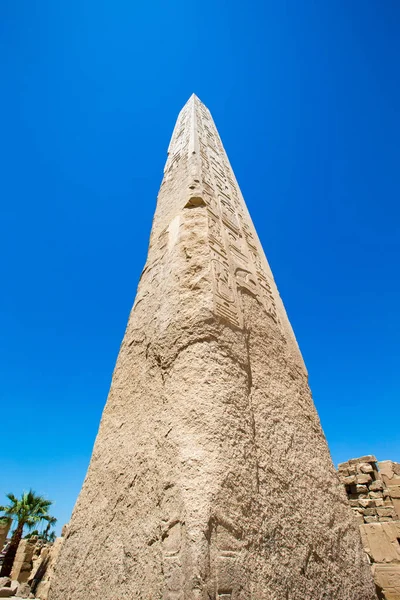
[363,478]
[386,511]
[370,511]
[358,510]
[389,472]
[387,578]
[359,519]
[343,466]
[394,491]
[396,506]
[354,503]
[23,560]
[376,486]
[375,495]
[361,489]
[350,480]
[367,503]
[370,458]
[362,460]
[380,541]
[366,468]
[372,519]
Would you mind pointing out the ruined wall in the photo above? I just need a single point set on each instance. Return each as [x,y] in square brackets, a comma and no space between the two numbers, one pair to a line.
[32,569]
[368,493]
[23,561]
[40,578]
[373,491]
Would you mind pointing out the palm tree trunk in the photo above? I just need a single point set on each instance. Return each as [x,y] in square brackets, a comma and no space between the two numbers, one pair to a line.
[11,552]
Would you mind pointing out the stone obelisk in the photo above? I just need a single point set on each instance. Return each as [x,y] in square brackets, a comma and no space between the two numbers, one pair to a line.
[210,476]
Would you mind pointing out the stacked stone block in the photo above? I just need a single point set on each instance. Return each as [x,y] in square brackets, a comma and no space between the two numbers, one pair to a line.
[373,489]
[367,491]
[23,561]
[43,571]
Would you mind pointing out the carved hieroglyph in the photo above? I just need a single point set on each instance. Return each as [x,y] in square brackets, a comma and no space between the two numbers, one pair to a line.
[210,476]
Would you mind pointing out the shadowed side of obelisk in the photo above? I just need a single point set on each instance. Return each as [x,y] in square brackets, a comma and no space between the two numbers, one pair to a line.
[210,475]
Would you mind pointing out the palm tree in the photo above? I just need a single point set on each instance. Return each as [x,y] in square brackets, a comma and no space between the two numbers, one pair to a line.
[28,511]
[47,535]
[52,537]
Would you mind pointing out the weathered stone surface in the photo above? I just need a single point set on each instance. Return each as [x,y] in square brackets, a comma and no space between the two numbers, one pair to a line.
[380,541]
[41,578]
[359,519]
[386,511]
[394,491]
[24,590]
[210,477]
[361,489]
[370,458]
[396,506]
[362,479]
[387,578]
[350,480]
[376,485]
[64,530]
[375,495]
[367,503]
[23,560]
[366,468]
[390,472]
[372,519]
[5,525]
[343,467]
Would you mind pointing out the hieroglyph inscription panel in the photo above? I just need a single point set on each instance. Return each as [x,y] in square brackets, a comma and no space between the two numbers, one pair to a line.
[236,259]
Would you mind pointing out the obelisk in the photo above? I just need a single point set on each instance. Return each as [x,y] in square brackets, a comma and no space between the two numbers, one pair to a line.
[210,476]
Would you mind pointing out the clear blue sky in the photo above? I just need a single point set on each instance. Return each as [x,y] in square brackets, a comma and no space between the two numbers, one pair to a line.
[306,97]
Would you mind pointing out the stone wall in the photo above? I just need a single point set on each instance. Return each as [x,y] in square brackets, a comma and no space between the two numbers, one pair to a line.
[40,579]
[23,560]
[32,569]
[373,490]
[368,491]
